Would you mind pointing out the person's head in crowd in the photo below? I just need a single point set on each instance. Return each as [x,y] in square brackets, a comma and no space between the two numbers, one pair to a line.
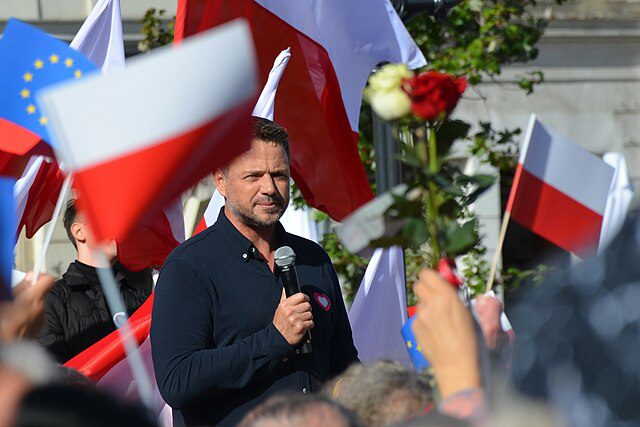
[294,410]
[433,419]
[23,365]
[70,406]
[73,377]
[383,393]
[256,184]
[77,228]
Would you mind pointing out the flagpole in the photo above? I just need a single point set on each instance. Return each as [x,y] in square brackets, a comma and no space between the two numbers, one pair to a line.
[496,256]
[64,192]
[116,305]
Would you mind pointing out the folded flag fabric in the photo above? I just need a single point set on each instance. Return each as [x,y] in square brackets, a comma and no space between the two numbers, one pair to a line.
[147,146]
[560,190]
[335,44]
[31,61]
[618,201]
[7,236]
[379,308]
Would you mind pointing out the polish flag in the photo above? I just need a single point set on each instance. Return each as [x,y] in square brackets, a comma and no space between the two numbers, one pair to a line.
[335,44]
[560,191]
[134,148]
[36,192]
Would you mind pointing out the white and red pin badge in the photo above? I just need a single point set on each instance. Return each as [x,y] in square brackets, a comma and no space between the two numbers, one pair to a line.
[322,300]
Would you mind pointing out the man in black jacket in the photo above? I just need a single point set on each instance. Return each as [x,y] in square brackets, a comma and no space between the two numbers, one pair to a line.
[76,313]
[224,337]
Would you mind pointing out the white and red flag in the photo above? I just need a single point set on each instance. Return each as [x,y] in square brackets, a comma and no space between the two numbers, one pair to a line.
[36,192]
[335,44]
[560,190]
[133,148]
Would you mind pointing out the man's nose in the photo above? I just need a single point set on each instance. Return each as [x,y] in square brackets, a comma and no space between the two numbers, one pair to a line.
[268,185]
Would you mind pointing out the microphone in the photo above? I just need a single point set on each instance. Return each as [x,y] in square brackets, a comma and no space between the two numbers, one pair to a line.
[285,259]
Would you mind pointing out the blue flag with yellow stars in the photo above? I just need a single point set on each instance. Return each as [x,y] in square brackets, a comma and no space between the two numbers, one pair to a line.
[7,235]
[415,352]
[31,60]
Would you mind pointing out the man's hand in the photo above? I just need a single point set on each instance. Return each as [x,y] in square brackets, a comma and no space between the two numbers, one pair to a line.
[488,310]
[444,329]
[23,317]
[293,317]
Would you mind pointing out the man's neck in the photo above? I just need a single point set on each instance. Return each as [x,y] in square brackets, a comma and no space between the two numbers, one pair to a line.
[264,238]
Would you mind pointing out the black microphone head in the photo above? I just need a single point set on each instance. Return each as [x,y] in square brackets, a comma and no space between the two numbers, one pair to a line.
[285,256]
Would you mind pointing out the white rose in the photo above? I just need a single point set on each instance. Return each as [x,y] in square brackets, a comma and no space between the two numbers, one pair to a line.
[385,94]
[390,104]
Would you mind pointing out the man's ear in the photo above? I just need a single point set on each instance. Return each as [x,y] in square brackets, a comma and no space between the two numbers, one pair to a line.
[221,182]
[79,233]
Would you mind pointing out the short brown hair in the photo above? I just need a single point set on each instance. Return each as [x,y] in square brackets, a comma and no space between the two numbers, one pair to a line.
[268,131]
[69,218]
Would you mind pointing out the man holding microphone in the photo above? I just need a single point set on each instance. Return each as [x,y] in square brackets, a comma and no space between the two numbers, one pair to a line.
[224,335]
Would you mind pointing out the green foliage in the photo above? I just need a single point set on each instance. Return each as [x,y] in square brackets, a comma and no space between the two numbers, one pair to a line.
[156,30]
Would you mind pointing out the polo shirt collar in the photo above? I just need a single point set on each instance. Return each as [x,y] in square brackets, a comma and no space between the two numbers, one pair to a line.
[243,246]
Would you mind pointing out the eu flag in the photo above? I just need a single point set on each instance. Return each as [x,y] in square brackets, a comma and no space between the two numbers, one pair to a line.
[31,60]
[415,352]
[7,235]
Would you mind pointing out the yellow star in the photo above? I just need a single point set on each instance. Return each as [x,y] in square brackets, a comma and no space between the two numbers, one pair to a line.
[54,58]
[38,64]
[419,349]
[43,120]
[77,74]
[409,344]
[31,108]
[25,93]
[27,77]
[68,62]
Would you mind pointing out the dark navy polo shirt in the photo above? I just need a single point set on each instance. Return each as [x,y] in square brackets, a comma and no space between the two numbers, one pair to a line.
[216,352]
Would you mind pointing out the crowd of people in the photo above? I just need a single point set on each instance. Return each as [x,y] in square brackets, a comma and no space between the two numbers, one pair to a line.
[226,338]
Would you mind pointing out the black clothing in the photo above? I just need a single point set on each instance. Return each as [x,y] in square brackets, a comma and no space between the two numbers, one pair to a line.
[215,349]
[76,312]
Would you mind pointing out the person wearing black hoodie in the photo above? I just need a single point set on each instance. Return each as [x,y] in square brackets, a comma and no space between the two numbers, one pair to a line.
[76,312]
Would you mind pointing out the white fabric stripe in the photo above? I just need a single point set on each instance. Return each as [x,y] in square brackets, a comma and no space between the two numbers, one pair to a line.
[22,186]
[100,37]
[357,35]
[266,103]
[158,96]
[566,166]
[174,215]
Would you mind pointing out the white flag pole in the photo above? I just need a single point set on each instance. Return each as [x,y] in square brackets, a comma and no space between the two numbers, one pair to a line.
[64,192]
[116,305]
[496,256]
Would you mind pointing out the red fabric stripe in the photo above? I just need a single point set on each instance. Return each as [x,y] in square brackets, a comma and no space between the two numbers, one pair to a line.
[148,245]
[96,361]
[129,190]
[42,199]
[553,215]
[202,225]
[15,139]
[325,163]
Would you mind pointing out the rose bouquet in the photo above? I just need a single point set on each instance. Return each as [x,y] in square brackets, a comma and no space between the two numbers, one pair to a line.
[433,207]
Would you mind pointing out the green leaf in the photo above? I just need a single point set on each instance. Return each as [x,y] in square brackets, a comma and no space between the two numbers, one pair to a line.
[415,232]
[461,239]
[449,132]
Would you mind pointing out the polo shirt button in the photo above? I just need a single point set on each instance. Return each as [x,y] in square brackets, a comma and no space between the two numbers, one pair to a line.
[285,360]
[304,390]
[244,256]
[297,351]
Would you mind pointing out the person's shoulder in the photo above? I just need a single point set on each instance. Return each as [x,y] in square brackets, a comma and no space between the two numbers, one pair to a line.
[308,248]
[197,245]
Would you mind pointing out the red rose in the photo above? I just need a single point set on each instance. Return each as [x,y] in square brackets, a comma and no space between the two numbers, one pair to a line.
[434,95]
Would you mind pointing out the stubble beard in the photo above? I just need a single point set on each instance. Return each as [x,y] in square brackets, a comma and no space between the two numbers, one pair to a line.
[248,218]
